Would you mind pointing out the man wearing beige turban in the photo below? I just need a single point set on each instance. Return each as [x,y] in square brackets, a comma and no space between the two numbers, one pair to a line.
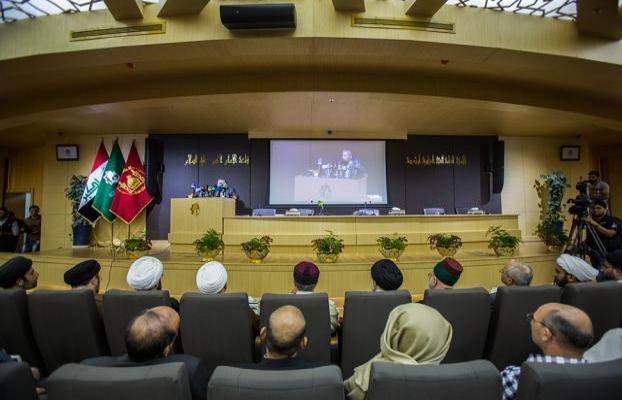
[415,334]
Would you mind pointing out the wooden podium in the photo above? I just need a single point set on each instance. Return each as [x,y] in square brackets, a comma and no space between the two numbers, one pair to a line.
[192,217]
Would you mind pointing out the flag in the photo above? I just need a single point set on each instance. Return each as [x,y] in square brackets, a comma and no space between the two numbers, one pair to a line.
[131,196]
[108,183]
[92,184]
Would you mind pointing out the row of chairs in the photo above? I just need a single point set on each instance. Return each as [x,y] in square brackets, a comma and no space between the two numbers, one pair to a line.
[53,328]
[477,380]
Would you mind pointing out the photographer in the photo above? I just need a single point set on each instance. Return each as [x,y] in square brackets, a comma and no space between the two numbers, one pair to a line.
[608,228]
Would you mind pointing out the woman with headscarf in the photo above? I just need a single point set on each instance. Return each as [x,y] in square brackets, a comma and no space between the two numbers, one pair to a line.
[415,334]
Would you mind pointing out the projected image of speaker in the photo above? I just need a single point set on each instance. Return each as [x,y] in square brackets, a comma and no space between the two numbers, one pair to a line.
[258,16]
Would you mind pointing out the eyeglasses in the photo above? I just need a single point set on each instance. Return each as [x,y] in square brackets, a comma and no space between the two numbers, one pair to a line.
[530,318]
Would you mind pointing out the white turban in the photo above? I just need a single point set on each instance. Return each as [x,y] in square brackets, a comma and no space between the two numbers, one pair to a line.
[211,277]
[578,267]
[145,273]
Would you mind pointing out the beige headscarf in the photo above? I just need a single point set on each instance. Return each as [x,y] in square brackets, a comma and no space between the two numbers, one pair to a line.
[414,334]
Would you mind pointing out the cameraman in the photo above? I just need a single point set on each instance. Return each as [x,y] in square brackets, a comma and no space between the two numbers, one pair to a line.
[597,188]
[608,228]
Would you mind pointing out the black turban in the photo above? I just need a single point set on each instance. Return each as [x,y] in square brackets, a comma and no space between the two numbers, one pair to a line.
[82,273]
[12,270]
[387,275]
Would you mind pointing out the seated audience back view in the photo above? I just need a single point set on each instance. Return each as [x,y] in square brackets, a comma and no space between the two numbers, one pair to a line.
[18,272]
[306,276]
[608,348]
[514,273]
[86,275]
[445,274]
[571,269]
[612,268]
[414,334]
[562,332]
[149,340]
[146,274]
[386,275]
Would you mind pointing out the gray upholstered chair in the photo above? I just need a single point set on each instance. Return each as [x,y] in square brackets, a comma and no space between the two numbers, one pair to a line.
[543,381]
[16,382]
[15,330]
[468,311]
[230,383]
[120,306]
[365,316]
[66,326]
[477,380]
[217,328]
[602,302]
[509,337]
[315,309]
[84,382]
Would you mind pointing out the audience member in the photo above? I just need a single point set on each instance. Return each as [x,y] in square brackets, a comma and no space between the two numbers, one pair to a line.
[414,334]
[514,273]
[149,340]
[597,188]
[386,275]
[306,276]
[562,332]
[212,279]
[32,228]
[18,272]
[86,275]
[445,274]
[6,358]
[146,274]
[572,269]
[9,231]
[612,268]
[608,348]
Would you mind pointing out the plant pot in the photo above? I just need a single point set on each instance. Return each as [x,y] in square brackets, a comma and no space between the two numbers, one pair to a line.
[391,254]
[81,235]
[447,251]
[210,255]
[136,254]
[256,256]
[327,258]
[504,251]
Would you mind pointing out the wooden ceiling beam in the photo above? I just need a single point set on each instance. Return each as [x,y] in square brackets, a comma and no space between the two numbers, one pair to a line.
[600,18]
[125,9]
[424,8]
[172,8]
[349,5]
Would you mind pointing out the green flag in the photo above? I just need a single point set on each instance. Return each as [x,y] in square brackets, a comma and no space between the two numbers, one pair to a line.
[108,183]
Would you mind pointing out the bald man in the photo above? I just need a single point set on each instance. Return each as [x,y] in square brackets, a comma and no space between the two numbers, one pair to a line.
[514,273]
[149,340]
[562,332]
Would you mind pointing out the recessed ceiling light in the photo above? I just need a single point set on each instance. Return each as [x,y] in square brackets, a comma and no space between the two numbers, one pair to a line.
[331,100]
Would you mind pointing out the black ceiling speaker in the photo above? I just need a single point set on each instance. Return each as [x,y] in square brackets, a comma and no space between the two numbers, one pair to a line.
[258,16]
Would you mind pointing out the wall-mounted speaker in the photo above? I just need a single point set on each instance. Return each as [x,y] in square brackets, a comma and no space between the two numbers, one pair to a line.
[154,168]
[258,16]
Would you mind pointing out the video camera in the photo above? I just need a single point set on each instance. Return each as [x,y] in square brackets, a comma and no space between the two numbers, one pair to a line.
[581,203]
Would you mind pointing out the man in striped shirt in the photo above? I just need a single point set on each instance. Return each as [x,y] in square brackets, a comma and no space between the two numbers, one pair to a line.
[562,332]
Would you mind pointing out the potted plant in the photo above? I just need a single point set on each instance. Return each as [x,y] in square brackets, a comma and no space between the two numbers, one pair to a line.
[392,246]
[551,194]
[257,249]
[81,228]
[501,241]
[328,248]
[209,245]
[446,244]
[136,246]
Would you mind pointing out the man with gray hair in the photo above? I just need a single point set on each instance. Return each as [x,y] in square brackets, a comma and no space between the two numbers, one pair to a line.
[514,273]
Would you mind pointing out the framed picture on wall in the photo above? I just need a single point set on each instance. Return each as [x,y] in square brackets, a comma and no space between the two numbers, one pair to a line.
[67,152]
[570,153]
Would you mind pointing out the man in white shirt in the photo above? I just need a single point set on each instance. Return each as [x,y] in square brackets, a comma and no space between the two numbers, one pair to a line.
[306,276]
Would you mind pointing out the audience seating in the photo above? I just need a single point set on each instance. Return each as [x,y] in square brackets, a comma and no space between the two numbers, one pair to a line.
[315,309]
[83,382]
[15,330]
[120,306]
[365,316]
[468,311]
[509,336]
[232,343]
[16,382]
[66,326]
[543,381]
[477,380]
[602,302]
[230,383]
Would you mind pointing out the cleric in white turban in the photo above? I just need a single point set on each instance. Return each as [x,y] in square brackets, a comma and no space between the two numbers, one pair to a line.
[571,269]
[212,278]
[145,274]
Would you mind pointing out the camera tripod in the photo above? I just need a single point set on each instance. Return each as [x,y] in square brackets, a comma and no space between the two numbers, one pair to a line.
[578,240]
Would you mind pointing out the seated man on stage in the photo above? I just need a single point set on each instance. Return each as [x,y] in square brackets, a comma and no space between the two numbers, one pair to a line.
[150,340]
[306,276]
[146,274]
[445,274]
[385,275]
[572,269]
[222,189]
[85,275]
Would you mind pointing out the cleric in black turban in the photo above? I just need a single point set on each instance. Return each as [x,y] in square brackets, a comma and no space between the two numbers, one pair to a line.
[18,272]
[82,274]
[386,275]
